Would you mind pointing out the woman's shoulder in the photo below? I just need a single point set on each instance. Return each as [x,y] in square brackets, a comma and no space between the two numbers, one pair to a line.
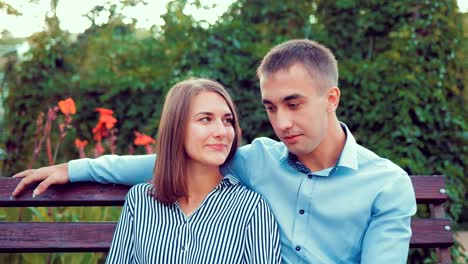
[247,195]
[249,203]
[141,190]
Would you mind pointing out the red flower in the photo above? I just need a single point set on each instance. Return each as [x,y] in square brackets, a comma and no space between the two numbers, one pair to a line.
[142,139]
[105,123]
[104,111]
[67,106]
[108,120]
[80,143]
[100,131]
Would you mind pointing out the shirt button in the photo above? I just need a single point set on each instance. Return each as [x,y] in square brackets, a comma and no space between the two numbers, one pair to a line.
[183,247]
[301,211]
[298,248]
[309,176]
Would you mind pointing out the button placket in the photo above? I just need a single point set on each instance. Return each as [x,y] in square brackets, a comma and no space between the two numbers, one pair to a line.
[301,227]
[183,234]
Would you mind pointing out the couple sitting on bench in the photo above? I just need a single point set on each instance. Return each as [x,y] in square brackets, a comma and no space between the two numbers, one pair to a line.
[314,197]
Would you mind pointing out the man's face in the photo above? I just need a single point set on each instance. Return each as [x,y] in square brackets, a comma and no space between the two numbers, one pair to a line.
[296,109]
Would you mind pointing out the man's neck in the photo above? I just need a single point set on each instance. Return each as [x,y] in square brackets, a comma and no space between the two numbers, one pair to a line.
[328,152]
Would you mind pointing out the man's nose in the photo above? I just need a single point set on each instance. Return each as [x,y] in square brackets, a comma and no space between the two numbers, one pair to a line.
[284,120]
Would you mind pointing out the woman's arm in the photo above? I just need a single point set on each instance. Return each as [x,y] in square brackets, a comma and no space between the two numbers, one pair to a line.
[262,243]
[121,250]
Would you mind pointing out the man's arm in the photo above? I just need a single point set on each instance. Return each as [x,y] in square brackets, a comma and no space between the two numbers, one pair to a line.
[127,170]
[388,234]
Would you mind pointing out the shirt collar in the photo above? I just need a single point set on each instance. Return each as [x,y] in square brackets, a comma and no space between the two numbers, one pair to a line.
[228,180]
[284,157]
[348,157]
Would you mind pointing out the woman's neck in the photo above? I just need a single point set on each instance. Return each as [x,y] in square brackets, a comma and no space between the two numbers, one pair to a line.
[200,181]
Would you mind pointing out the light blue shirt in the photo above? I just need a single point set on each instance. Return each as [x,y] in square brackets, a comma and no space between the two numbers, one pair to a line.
[358,211]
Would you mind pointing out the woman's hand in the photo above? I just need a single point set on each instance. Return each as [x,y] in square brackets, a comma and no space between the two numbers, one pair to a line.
[56,174]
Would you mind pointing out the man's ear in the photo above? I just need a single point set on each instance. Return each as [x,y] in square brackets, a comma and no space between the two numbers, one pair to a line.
[333,99]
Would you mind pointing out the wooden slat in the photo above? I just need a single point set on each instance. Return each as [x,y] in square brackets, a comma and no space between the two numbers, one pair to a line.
[430,233]
[55,237]
[429,189]
[76,194]
[96,237]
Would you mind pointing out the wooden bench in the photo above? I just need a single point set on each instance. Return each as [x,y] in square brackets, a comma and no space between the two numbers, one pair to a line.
[433,232]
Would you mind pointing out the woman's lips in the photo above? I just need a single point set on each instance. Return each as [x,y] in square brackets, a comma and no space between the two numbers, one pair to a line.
[218,147]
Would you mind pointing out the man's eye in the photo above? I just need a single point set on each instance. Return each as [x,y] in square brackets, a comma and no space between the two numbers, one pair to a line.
[293,105]
[268,108]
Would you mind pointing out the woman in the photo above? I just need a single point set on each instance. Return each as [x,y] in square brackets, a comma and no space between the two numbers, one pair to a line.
[190,212]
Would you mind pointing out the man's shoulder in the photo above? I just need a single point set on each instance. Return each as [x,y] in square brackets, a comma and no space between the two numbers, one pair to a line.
[250,160]
[382,176]
[370,160]
[263,144]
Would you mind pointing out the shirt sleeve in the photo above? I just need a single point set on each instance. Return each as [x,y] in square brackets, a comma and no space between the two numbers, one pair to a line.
[128,170]
[388,234]
[121,250]
[262,240]
[248,158]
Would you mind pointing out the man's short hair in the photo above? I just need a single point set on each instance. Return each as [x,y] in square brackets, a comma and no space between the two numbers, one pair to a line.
[317,59]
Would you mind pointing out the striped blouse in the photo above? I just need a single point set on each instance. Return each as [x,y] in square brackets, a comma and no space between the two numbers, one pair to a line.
[232,225]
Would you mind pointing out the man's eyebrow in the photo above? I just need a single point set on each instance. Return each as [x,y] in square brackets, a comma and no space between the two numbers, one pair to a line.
[286,98]
[292,97]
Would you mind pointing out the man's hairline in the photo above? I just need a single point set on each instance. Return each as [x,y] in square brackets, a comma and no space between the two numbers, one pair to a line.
[312,73]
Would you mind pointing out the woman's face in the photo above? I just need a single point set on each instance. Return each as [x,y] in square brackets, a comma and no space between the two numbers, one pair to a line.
[209,129]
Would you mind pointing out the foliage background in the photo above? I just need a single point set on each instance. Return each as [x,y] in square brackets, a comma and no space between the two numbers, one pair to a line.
[401,66]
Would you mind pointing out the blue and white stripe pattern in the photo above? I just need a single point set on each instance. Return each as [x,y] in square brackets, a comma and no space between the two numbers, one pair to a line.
[232,225]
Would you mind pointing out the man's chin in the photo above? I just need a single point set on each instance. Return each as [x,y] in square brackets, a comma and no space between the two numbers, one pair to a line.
[298,150]
[294,149]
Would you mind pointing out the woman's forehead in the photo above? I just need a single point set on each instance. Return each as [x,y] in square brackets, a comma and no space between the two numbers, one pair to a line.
[209,101]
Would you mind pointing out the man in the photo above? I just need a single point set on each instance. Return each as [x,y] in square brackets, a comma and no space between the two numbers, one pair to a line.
[334,200]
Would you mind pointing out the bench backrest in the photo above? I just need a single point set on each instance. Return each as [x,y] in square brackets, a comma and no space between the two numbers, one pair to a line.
[433,232]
